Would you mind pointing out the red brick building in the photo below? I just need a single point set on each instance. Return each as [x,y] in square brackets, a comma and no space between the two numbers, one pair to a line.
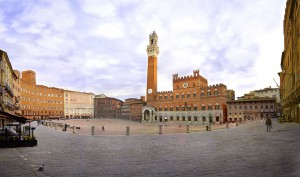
[192,100]
[107,107]
[39,101]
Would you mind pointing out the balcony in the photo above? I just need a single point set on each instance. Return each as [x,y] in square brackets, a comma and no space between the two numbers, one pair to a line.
[9,90]
[1,90]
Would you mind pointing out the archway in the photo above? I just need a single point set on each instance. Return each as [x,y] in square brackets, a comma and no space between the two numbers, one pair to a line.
[147,115]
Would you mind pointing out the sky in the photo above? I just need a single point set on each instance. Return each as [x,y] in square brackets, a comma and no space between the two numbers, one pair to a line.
[99,46]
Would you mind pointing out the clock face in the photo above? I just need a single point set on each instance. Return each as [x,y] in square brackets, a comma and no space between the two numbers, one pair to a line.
[149,91]
[185,85]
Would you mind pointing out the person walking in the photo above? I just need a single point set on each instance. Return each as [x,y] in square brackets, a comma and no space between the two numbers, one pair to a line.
[268,124]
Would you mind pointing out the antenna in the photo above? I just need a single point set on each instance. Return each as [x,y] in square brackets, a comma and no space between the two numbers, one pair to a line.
[276,82]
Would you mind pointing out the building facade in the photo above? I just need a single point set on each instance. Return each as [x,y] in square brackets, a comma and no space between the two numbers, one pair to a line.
[192,100]
[290,62]
[38,101]
[78,104]
[250,108]
[107,107]
[9,83]
[271,93]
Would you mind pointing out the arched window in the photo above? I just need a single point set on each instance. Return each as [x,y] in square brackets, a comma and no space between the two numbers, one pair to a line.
[217,106]
[195,118]
[194,95]
[189,107]
[208,93]
[195,108]
[209,107]
[188,95]
[216,92]
[203,107]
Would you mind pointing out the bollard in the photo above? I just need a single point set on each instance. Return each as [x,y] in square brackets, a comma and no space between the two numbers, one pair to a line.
[209,127]
[74,129]
[160,129]
[93,130]
[55,126]
[127,130]
[103,128]
[187,129]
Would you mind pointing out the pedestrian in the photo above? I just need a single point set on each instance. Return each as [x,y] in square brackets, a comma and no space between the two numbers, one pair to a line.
[268,124]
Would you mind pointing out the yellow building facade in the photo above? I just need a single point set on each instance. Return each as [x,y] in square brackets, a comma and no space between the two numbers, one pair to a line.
[290,62]
[9,91]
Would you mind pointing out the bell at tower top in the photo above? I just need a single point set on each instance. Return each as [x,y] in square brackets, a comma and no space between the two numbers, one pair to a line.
[152,48]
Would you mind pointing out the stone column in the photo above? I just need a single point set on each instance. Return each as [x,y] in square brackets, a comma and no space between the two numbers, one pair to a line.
[127,130]
[93,130]
[160,129]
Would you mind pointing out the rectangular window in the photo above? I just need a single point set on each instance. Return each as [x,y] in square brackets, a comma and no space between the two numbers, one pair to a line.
[188,108]
[194,95]
[188,96]
[171,108]
[177,108]
[208,93]
[182,96]
[166,109]
[217,107]
[166,97]
[195,108]
[203,107]
[202,94]
[245,107]
[160,97]
[177,96]
[171,97]
[183,108]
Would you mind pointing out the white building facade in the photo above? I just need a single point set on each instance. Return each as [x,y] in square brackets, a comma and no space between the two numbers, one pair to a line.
[78,104]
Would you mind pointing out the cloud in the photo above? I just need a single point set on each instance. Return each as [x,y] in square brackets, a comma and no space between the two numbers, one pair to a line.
[100,46]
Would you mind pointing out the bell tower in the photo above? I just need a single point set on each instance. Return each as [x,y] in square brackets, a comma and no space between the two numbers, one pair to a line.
[152,51]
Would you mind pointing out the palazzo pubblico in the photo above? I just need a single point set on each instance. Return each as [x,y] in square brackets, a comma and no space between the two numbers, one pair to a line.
[192,100]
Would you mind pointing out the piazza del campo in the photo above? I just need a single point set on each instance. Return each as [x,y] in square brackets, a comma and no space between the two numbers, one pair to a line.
[194,129]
